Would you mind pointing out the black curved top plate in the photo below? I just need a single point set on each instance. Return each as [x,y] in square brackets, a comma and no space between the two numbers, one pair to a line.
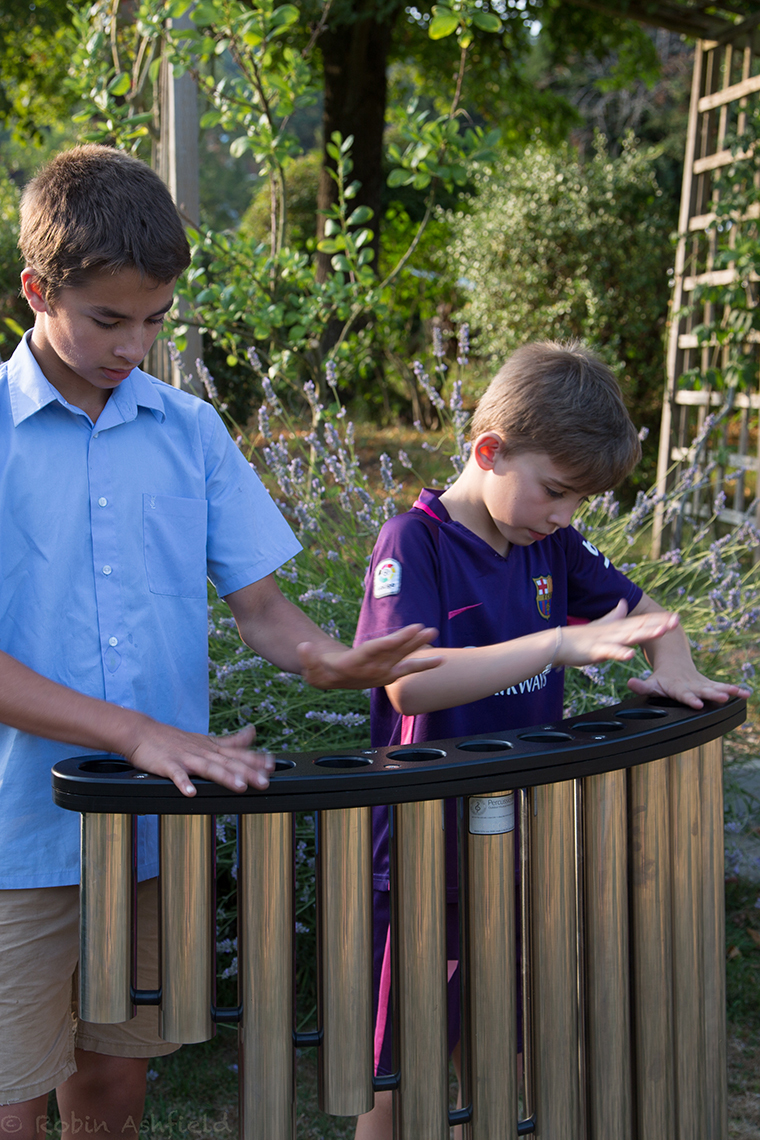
[374,776]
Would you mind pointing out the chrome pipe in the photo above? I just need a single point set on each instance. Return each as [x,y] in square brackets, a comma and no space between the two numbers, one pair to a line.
[266,977]
[492,964]
[526,947]
[688,949]
[651,942]
[105,919]
[344,919]
[714,903]
[610,1112]
[554,968]
[580,895]
[418,884]
[188,927]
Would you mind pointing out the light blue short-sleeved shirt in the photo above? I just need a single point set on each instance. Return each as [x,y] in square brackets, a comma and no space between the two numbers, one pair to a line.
[107,536]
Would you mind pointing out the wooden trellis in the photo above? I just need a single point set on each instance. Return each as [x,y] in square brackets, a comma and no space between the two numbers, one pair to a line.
[726,78]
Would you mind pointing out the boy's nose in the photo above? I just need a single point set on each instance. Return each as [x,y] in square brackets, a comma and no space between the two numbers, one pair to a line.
[134,346]
[562,516]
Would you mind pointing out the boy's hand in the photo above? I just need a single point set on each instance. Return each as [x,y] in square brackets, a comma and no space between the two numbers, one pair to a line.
[612,637]
[177,755]
[372,665]
[674,674]
[689,687]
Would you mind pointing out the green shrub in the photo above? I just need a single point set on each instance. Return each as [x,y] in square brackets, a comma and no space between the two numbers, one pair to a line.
[553,248]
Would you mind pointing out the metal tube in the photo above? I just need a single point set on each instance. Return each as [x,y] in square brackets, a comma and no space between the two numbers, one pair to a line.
[492,959]
[688,931]
[344,870]
[651,943]
[713,893]
[188,927]
[557,1094]
[607,977]
[526,947]
[419,899]
[105,919]
[266,978]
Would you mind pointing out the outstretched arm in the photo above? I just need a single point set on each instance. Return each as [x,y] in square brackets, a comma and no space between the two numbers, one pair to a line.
[674,674]
[281,632]
[34,704]
[473,673]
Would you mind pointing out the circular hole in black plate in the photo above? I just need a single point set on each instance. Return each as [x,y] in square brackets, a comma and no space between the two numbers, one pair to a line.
[284,765]
[414,755]
[598,726]
[343,761]
[104,766]
[640,714]
[484,745]
[545,736]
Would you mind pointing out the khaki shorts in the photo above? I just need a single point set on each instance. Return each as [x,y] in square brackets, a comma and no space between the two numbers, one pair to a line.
[39,1027]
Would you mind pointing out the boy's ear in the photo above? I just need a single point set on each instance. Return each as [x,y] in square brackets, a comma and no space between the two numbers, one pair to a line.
[486,449]
[33,291]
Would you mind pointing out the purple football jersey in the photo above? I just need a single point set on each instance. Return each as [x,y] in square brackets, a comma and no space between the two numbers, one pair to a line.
[428,568]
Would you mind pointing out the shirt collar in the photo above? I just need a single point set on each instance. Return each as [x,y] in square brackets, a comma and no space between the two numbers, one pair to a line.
[30,391]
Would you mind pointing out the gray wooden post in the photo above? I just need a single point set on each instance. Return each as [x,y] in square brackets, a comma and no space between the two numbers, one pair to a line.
[177,165]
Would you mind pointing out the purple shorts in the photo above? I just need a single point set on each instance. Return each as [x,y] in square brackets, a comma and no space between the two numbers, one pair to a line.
[381,981]
[381,905]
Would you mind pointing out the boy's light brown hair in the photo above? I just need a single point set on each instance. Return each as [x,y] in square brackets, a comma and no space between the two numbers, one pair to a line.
[93,210]
[563,400]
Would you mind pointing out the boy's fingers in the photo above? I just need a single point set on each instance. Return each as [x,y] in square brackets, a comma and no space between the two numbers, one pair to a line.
[616,614]
[416,665]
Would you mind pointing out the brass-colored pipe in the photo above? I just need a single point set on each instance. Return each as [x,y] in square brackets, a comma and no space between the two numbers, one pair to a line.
[554,968]
[651,942]
[525,802]
[418,884]
[265,977]
[188,926]
[492,964]
[688,949]
[344,894]
[606,945]
[713,893]
[105,919]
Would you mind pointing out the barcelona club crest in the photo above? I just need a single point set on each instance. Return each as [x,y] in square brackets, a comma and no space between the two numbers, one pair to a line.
[544,595]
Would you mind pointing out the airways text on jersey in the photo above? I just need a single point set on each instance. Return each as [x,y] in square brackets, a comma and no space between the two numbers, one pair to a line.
[533,684]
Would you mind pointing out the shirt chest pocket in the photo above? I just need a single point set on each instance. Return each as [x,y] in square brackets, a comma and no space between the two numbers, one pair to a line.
[174,536]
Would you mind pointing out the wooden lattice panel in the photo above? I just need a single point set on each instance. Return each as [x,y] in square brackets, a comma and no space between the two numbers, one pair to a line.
[726,82]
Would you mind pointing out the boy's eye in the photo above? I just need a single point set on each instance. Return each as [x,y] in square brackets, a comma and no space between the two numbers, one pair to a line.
[104,324]
[554,494]
[156,320]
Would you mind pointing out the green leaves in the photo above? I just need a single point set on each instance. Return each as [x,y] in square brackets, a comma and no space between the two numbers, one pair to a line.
[461,19]
[443,24]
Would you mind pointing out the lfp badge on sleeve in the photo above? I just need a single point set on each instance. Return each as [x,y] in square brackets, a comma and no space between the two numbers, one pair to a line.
[493,814]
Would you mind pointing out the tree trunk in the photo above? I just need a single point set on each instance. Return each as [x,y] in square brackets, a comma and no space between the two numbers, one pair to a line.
[354,59]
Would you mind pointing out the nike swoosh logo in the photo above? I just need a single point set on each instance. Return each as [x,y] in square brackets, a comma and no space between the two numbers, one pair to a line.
[455,613]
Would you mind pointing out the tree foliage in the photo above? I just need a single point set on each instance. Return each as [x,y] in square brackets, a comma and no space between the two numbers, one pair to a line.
[555,248]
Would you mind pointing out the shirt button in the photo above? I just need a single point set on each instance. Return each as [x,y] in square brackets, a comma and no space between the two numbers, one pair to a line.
[106,569]
[102,502]
[113,641]
[95,434]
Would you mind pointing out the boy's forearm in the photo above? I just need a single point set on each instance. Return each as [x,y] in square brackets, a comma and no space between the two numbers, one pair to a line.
[470,674]
[37,705]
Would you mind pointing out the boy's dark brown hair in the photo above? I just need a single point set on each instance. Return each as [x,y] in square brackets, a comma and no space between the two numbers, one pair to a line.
[94,209]
[563,400]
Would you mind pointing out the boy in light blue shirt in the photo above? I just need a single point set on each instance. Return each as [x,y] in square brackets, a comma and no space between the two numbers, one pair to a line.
[119,496]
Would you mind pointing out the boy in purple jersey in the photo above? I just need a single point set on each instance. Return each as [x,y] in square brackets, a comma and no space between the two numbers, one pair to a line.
[493,563]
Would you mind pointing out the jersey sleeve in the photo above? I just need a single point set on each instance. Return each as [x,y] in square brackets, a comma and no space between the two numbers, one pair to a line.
[594,585]
[401,585]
